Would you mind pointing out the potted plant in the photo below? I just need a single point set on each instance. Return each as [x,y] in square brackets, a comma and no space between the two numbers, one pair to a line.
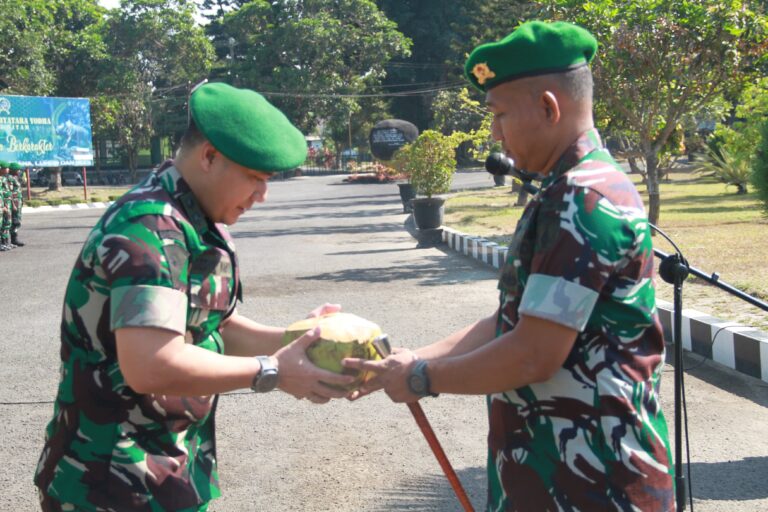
[429,162]
[407,192]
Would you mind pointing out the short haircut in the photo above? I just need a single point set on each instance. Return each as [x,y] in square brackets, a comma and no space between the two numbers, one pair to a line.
[576,83]
[192,136]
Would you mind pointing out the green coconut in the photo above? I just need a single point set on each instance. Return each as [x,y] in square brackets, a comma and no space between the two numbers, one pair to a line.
[341,335]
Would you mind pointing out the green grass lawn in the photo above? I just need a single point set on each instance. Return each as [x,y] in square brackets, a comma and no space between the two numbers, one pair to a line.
[72,195]
[716,230]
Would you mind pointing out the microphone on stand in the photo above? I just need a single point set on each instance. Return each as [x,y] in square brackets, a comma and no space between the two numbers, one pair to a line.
[499,165]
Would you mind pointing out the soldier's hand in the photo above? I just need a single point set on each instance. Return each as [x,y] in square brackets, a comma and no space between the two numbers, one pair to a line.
[302,379]
[391,375]
[325,309]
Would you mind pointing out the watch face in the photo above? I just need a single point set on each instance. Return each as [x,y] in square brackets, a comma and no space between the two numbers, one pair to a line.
[266,382]
[416,383]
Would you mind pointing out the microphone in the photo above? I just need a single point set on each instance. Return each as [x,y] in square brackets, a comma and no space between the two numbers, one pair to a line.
[499,165]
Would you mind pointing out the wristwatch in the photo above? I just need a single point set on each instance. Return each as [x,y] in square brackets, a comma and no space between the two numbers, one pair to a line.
[266,379]
[418,380]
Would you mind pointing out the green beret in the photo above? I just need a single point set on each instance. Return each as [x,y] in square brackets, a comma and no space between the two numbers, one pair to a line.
[3,164]
[246,128]
[534,48]
[14,166]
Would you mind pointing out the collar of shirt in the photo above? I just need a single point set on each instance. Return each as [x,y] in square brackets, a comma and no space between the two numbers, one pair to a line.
[173,182]
[587,142]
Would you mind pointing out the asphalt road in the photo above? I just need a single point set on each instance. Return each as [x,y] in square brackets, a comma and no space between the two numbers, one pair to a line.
[319,240]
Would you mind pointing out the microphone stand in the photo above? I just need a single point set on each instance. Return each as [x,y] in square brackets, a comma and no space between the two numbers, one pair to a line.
[674,269]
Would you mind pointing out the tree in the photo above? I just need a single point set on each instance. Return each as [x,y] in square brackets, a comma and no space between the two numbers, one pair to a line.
[314,58]
[430,68]
[49,48]
[154,47]
[454,110]
[24,26]
[76,48]
[444,32]
[660,60]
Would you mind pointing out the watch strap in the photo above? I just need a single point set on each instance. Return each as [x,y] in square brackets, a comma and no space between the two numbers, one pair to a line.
[419,375]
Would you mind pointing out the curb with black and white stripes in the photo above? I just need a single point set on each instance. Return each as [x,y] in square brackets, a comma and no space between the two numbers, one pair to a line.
[737,346]
[65,207]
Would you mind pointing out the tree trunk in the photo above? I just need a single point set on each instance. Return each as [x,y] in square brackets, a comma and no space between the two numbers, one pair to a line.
[652,174]
[97,157]
[54,178]
[97,161]
[522,197]
[132,158]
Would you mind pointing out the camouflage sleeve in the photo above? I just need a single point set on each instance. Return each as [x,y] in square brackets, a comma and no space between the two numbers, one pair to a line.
[581,239]
[145,264]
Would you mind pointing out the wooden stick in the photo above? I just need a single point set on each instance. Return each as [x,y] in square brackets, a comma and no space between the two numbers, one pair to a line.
[382,346]
[442,459]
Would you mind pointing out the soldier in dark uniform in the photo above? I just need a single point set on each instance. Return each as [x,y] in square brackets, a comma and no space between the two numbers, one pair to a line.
[150,333]
[571,359]
[17,203]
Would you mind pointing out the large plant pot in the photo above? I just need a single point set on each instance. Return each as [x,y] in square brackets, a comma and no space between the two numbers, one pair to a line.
[499,180]
[428,212]
[406,194]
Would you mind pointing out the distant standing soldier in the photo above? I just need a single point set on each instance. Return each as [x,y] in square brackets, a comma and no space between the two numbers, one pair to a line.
[5,201]
[17,202]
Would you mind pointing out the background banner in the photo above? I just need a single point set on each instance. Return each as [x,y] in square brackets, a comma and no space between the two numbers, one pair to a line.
[45,132]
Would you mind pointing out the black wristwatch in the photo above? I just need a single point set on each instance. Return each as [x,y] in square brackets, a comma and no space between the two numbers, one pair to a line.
[418,380]
[266,379]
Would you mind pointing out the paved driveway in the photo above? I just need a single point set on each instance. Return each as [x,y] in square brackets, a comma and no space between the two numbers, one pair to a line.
[317,240]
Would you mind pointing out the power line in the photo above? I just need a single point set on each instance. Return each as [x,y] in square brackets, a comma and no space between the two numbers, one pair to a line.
[415,92]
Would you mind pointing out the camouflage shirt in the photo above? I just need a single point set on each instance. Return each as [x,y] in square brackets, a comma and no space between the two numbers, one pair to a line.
[6,190]
[152,260]
[593,436]
[14,184]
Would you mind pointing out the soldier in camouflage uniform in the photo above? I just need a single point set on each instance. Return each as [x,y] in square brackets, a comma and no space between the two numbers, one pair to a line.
[150,333]
[5,208]
[17,203]
[571,360]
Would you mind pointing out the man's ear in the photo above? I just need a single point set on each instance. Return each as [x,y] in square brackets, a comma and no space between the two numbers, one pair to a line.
[206,153]
[551,107]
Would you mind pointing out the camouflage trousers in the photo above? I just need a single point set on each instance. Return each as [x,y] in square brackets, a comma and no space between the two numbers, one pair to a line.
[16,217]
[5,228]
[49,504]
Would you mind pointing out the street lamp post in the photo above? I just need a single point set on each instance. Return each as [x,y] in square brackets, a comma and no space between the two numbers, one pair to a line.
[231,41]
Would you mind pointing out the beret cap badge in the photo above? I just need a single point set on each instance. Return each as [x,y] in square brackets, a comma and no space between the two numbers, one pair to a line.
[482,72]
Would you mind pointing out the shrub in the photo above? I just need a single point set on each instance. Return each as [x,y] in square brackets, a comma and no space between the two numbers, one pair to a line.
[430,161]
[760,167]
[728,168]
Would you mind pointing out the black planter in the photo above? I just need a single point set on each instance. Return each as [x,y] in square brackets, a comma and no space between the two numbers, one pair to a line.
[499,180]
[428,212]
[406,194]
